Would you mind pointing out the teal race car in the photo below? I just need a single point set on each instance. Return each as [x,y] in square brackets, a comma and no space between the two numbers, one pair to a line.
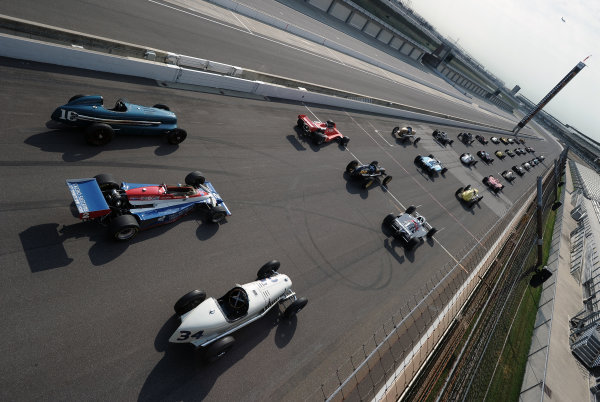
[100,124]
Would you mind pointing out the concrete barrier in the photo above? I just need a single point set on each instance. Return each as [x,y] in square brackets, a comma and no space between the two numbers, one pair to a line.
[28,49]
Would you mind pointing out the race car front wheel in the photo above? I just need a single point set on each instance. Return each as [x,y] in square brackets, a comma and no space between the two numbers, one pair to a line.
[124,227]
[295,307]
[217,214]
[99,134]
[387,180]
[176,136]
[189,301]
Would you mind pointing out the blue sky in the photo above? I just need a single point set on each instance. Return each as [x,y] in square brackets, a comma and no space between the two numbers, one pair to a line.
[526,43]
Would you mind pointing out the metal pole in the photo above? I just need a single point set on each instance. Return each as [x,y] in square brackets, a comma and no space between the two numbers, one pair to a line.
[540,228]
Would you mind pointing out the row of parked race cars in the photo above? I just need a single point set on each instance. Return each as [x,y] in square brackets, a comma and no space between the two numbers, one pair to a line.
[126,208]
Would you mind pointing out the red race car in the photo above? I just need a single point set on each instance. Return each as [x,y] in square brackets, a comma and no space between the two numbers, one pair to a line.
[319,132]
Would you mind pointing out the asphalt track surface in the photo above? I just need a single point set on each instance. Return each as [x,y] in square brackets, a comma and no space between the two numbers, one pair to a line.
[85,318]
[200,29]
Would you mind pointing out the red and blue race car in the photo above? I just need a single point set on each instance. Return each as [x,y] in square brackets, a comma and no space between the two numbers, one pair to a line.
[320,132]
[127,208]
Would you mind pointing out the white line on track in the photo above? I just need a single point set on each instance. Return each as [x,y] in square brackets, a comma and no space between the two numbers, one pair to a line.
[377,131]
[334,55]
[236,17]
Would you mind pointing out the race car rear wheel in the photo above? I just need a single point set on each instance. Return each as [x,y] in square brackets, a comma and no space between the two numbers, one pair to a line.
[219,348]
[431,232]
[268,269]
[194,179]
[395,130]
[318,138]
[367,183]
[444,170]
[124,227]
[387,180]
[351,166]
[411,244]
[176,136]
[218,214]
[485,181]
[295,307]
[300,124]
[106,182]
[99,134]
[411,209]
[161,106]
[189,301]
[457,192]
[416,140]
[345,141]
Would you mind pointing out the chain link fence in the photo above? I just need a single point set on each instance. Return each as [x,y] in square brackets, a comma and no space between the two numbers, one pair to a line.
[387,363]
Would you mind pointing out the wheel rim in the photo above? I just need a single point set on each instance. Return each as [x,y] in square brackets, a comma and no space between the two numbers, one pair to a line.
[126,234]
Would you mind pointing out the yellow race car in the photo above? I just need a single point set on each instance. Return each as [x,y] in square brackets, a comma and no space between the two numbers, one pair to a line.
[468,195]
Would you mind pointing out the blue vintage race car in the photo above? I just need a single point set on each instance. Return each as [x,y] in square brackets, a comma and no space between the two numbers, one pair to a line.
[127,208]
[430,165]
[101,124]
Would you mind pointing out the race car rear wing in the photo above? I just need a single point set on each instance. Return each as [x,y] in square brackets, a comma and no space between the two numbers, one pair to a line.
[88,198]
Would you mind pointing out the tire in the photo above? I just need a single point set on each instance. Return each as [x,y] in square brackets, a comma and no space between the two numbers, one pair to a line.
[395,131]
[444,170]
[268,269]
[176,136]
[161,106]
[123,227]
[451,142]
[387,221]
[457,192]
[416,140]
[318,139]
[367,183]
[106,182]
[295,307]
[474,163]
[99,134]
[344,141]
[485,181]
[300,124]
[418,160]
[194,179]
[387,180]
[217,214]
[351,167]
[411,209]
[431,232]
[75,97]
[411,244]
[431,156]
[219,348]
[189,301]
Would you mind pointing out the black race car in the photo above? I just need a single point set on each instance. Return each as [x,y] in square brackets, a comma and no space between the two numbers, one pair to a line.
[367,174]
[485,156]
[481,139]
[466,138]
[442,137]
[518,170]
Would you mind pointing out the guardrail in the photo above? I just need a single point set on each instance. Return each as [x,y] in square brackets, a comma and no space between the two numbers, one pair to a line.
[192,71]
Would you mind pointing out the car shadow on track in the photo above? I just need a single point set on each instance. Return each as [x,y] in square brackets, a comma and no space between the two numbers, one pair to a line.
[44,244]
[72,145]
[183,374]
